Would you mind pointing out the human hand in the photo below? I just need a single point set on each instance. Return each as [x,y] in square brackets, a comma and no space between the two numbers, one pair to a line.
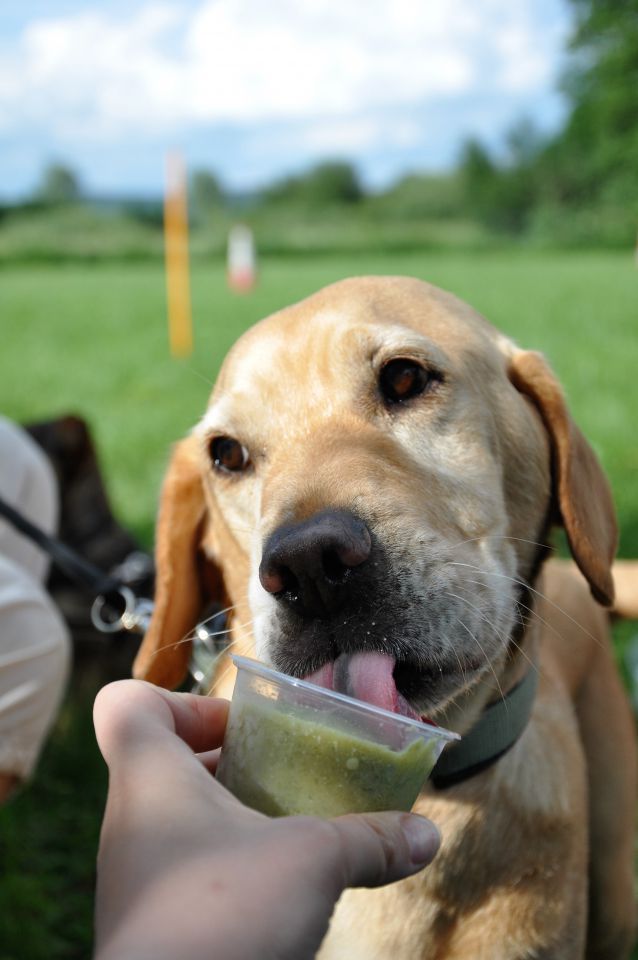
[185,870]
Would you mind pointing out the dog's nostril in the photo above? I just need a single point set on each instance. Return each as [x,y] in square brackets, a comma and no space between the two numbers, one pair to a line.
[272,581]
[334,569]
[290,584]
[279,581]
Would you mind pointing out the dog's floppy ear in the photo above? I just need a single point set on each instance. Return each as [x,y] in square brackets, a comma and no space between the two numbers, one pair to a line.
[581,488]
[179,590]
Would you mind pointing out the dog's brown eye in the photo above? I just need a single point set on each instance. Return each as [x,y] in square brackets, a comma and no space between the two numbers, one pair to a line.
[401,380]
[228,455]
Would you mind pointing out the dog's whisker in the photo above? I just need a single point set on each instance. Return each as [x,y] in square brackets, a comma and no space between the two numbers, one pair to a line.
[242,598]
[534,666]
[192,634]
[217,613]
[187,638]
[236,626]
[487,659]
[212,667]
[222,633]
[500,633]
[527,586]
[229,665]
[461,667]
[501,536]
[530,610]
[201,376]
[233,645]
[520,619]
[546,623]
[505,638]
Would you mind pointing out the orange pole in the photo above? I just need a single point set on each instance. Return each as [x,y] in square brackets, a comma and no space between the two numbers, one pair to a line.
[180,325]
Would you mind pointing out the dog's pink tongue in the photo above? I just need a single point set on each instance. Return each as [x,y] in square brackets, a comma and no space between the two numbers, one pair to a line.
[365,676]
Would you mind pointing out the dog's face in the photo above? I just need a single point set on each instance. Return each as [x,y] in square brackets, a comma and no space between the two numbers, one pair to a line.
[362,422]
[372,481]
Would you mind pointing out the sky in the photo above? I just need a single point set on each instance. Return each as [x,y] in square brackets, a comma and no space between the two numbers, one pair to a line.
[254,90]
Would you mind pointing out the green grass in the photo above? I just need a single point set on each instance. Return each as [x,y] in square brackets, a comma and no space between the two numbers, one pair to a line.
[48,840]
[92,339]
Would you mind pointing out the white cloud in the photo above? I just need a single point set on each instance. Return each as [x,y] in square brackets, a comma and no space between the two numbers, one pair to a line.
[167,67]
[356,134]
[292,60]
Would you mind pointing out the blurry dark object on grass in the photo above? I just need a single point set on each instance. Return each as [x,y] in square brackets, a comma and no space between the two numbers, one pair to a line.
[89,526]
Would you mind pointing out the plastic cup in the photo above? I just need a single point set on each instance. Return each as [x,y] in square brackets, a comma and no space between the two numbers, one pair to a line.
[295,748]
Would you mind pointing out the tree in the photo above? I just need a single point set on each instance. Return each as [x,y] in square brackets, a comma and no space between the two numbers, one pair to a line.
[595,159]
[524,143]
[478,175]
[206,192]
[502,195]
[422,196]
[582,184]
[59,184]
[331,183]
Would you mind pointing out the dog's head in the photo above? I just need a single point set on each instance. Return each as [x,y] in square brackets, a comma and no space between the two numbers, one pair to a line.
[369,491]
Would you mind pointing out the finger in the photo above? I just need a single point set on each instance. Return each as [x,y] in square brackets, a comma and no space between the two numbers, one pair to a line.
[210,759]
[199,721]
[378,848]
[130,714]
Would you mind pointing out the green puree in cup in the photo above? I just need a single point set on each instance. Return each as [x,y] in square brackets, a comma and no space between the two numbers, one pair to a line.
[282,764]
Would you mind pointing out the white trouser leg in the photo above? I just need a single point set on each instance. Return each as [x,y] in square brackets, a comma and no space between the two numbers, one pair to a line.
[34,641]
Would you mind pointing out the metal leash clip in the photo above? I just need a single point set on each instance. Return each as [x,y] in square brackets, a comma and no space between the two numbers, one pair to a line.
[121,610]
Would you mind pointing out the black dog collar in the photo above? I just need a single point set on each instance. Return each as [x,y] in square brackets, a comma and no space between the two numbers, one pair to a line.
[497,729]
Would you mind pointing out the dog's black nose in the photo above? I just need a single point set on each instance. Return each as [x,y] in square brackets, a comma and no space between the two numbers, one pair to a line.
[307,565]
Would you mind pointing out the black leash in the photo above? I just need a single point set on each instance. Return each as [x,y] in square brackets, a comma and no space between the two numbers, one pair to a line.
[115,607]
[84,573]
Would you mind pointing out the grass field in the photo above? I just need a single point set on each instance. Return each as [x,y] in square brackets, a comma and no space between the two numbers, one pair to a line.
[92,340]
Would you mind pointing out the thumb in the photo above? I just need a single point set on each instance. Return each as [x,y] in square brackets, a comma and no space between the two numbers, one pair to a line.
[379,848]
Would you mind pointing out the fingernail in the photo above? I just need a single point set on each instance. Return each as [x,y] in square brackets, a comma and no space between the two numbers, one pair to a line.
[422,836]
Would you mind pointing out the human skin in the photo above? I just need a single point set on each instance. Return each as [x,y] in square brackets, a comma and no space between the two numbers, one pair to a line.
[184,869]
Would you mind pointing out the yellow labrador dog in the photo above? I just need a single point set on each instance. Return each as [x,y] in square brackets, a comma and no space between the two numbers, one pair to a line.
[370,491]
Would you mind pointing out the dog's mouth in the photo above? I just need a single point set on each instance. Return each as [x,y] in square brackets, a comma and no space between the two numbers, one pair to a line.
[378,679]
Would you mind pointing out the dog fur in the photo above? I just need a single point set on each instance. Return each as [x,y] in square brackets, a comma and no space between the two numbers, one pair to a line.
[459,488]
